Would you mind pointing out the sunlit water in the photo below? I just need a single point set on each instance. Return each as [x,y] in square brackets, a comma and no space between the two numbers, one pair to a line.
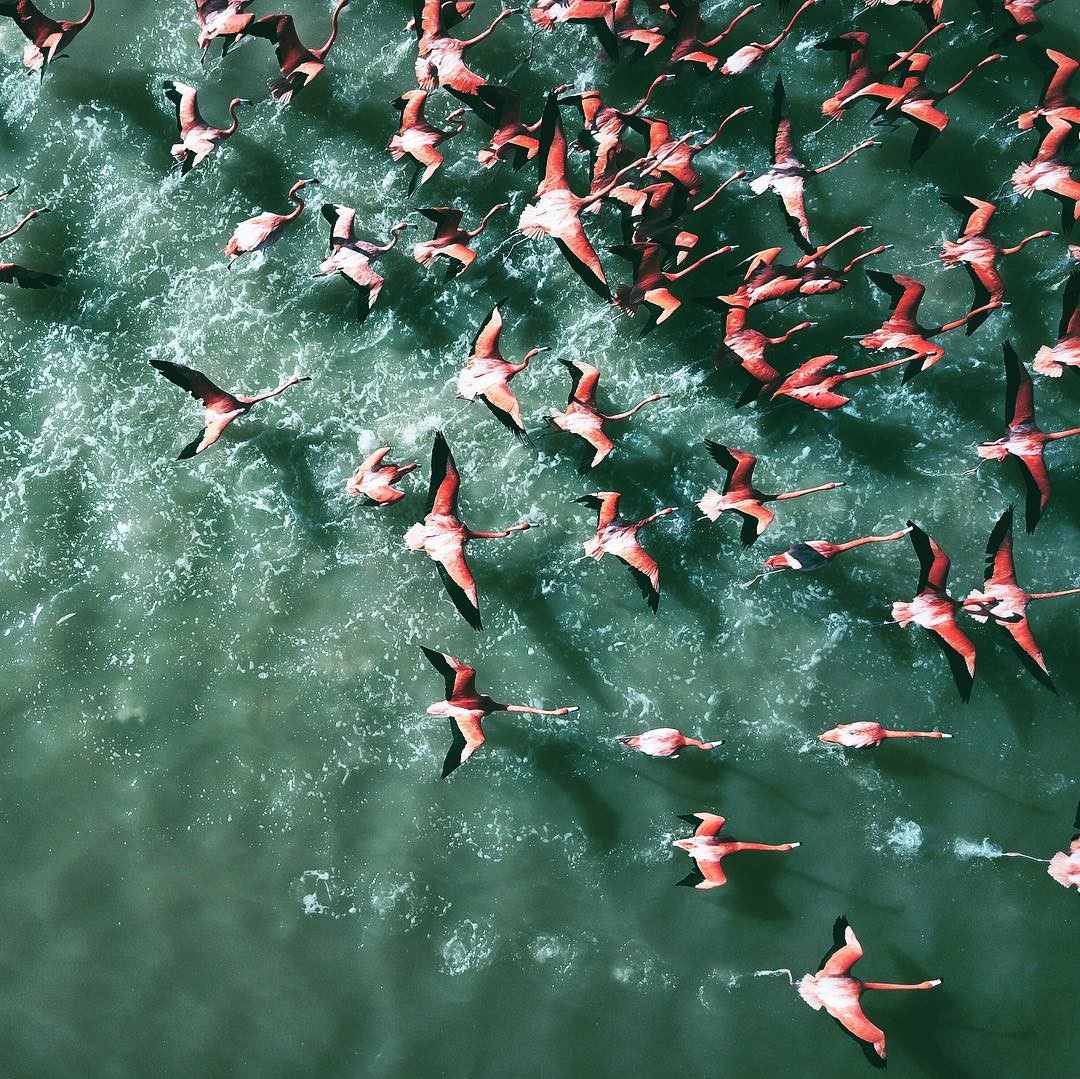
[226,847]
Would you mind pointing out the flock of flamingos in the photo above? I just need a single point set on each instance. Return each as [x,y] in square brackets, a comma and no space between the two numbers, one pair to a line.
[643,169]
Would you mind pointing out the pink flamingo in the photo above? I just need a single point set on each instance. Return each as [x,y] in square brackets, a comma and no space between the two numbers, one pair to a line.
[227,19]
[1049,170]
[708,848]
[264,230]
[45,37]
[1064,868]
[869,735]
[451,241]
[855,43]
[750,56]
[664,742]
[689,46]
[198,139]
[809,385]
[811,556]
[746,346]
[440,60]
[418,140]
[375,480]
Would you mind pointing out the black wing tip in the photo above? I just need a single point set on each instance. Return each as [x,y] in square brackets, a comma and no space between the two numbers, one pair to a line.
[691,880]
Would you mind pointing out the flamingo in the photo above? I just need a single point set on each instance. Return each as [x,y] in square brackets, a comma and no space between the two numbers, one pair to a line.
[467,708]
[555,210]
[598,15]
[451,241]
[300,66]
[935,610]
[664,742]
[45,37]
[742,497]
[617,536]
[353,258]
[1023,14]
[198,139]
[11,273]
[220,406]
[222,18]
[583,418]
[746,346]
[809,557]
[1055,100]
[869,735]
[836,990]
[855,43]
[263,231]
[766,279]
[419,140]
[650,285]
[375,480]
[809,385]
[1002,599]
[975,250]
[689,46]
[913,98]
[708,848]
[902,330]
[451,12]
[512,140]
[643,39]
[1049,170]
[750,56]
[442,536]
[487,375]
[1064,868]
[788,175]
[1051,360]
[1023,440]
[440,60]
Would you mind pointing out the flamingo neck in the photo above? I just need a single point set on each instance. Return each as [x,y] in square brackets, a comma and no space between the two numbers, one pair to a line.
[321,53]
[88,16]
[1063,434]
[808,491]
[235,123]
[1053,595]
[21,225]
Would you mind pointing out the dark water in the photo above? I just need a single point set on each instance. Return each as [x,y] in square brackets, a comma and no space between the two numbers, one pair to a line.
[226,848]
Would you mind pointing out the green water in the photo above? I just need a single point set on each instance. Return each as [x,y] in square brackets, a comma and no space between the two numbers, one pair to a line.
[226,849]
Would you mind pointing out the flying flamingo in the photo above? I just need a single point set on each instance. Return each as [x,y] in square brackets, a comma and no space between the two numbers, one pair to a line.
[809,557]
[902,330]
[598,15]
[467,708]
[1002,599]
[353,258]
[913,98]
[260,232]
[45,37]
[617,536]
[855,43]
[451,241]
[750,56]
[442,536]
[766,279]
[583,418]
[1023,14]
[935,610]
[788,175]
[643,39]
[1064,868]
[375,481]
[746,346]
[11,273]
[487,375]
[222,18]
[689,46]
[708,848]
[664,742]
[198,139]
[417,139]
[651,281]
[1051,360]
[869,735]
[1055,101]
[1023,440]
[512,139]
[809,385]
[555,210]
[300,66]
[742,497]
[836,990]
[440,60]
[975,250]
[450,13]
[220,406]
[1049,170]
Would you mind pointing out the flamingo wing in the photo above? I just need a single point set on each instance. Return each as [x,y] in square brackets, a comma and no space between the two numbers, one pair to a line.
[215,426]
[975,212]
[738,465]
[443,489]
[198,385]
[905,293]
[756,519]
[959,651]
[1023,640]
[460,585]
[459,678]
[783,145]
[606,505]
[808,374]
[704,824]
[184,97]
[933,561]
[447,219]
[1019,390]
[584,379]
[1070,307]
[466,737]
[999,552]
[35,26]
[505,407]
[551,156]
[342,219]
[579,253]
[646,572]
[1037,480]
[845,954]
[486,342]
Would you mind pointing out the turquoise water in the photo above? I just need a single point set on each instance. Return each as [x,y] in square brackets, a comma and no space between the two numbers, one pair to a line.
[227,850]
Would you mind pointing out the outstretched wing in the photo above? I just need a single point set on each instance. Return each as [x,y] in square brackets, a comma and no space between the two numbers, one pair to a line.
[704,824]
[1037,480]
[459,678]
[486,342]
[197,384]
[1019,391]
[606,505]
[341,220]
[583,381]
[933,561]
[905,293]
[443,489]
[999,552]
[738,464]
